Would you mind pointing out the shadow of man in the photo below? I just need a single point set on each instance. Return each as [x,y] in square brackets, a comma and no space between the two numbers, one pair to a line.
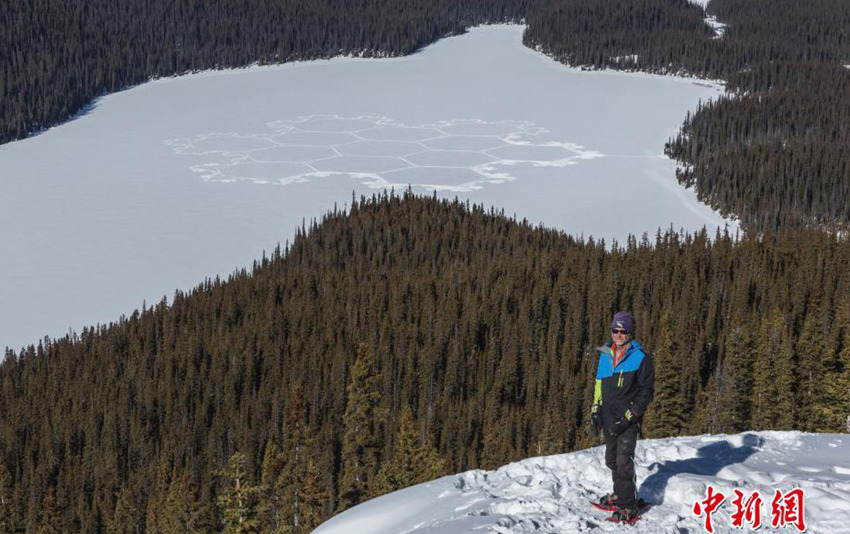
[709,461]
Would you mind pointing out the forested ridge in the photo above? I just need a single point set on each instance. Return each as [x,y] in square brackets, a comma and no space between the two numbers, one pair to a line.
[57,55]
[671,36]
[774,150]
[461,338]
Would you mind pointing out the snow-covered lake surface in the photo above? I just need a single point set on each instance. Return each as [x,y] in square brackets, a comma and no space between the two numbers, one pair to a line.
[159,186]
[552,493]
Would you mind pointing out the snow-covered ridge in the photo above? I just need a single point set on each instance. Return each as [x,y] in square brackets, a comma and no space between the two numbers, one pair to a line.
[550,494]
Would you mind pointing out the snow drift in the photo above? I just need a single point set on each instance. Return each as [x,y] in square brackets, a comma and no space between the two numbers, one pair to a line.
[551,493]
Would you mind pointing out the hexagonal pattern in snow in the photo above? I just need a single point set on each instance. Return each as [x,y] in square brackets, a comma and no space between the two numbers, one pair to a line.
[464,142]
[449,158]
[315,138]
[230,144]
[266,171]
[333,124]
[433,176]
[532,153]
[293,153]
[219,159]
[458,154]
[381,148]
[479,128]
[359,164]
[399,133]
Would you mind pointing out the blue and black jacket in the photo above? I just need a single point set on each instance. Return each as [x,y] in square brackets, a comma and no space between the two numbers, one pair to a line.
[629,386]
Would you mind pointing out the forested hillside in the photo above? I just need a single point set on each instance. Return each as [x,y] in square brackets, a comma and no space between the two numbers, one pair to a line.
[459,337]
[774,151]
[56,55]
[670,36]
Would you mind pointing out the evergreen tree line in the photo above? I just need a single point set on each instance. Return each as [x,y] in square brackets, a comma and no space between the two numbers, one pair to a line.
[672,37]
[400,340]
[57,55]
[661,36]
[773,152]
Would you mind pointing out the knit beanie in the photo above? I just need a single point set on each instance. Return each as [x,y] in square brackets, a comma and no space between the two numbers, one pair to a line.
[625,321]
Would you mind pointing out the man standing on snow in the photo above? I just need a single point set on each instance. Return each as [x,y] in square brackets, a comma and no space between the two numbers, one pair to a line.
[624,386]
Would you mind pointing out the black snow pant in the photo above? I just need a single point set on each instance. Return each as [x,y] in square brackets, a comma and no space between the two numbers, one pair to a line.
[620,459]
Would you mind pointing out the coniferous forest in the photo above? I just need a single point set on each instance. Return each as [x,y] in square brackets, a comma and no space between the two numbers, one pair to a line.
[56,55]
[774,151]
[459,337]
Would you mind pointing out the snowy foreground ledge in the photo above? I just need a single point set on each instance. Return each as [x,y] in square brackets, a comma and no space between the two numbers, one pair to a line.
[550,493]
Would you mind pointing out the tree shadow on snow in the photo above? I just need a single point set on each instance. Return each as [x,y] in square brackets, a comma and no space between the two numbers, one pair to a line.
[709,461]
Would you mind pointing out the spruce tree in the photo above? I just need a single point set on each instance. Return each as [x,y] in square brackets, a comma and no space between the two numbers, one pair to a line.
[412,462]
[207,519]
[774,387]
[239,501]
[126,518]
[837,413]
[704,418]
[550,440]
[362,433]
[49,516]
[493,452]
[811,353]
[734,381]
[665,414]
[291,478]
[269,508]
[156,501]
[834,410]
[786,406]
[179,510]
[765,353]
[314,497]
[9,521]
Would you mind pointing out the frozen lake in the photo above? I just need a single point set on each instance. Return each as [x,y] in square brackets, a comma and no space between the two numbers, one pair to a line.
[157,187]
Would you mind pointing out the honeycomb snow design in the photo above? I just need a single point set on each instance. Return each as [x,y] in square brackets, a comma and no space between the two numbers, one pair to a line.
[458,155]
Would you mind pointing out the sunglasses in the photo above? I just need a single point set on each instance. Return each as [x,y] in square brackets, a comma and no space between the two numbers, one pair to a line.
[621,332]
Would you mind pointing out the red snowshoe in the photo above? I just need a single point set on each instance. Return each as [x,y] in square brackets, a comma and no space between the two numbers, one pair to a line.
[608,503]
[625,515]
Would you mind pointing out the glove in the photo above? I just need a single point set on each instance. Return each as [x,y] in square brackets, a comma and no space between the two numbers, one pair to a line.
[621,424]
[595,421]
